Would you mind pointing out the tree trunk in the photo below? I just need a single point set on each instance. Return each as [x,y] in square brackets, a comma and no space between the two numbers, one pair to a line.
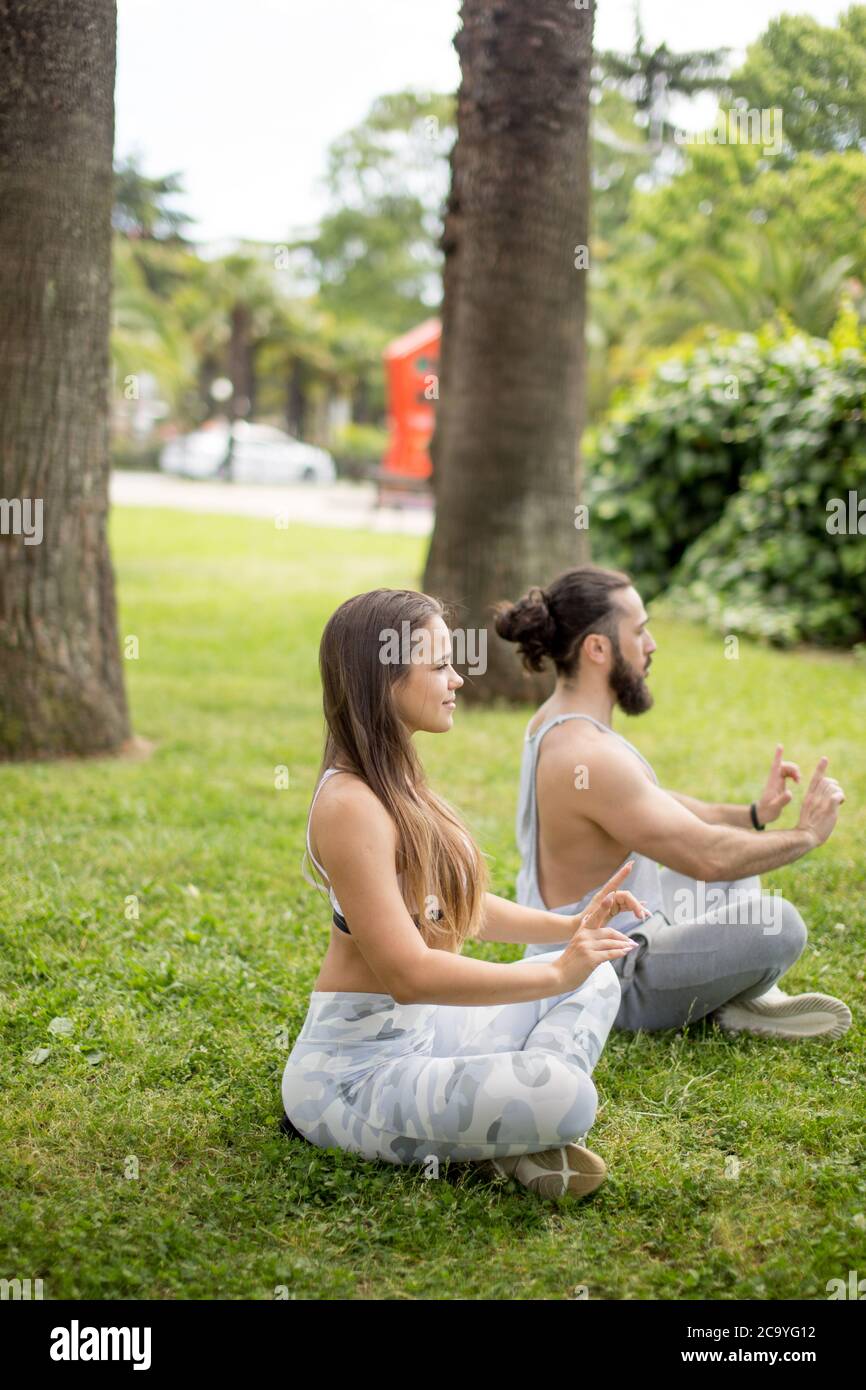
[241,361]
[207,374]
[361,413]
[61,684]
[296,400]
[511,390]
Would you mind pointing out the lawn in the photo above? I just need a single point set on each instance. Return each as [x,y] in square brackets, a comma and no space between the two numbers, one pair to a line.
[159,907]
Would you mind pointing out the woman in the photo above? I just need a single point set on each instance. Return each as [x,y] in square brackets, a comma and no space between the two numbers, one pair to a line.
[410,1051]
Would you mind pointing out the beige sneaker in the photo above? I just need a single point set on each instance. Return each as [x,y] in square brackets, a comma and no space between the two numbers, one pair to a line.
[780,1015]
[571,1171]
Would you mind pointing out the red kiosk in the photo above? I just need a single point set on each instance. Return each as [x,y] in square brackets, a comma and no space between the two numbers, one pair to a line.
[412,384]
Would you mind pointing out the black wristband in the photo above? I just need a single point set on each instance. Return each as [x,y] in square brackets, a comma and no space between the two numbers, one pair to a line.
[753,809]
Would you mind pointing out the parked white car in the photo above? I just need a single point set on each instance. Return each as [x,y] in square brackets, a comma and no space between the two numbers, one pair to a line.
[261,454]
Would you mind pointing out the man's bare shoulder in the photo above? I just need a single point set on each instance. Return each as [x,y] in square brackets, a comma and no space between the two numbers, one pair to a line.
[578,743]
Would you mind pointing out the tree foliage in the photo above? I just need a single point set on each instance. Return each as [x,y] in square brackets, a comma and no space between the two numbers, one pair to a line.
[716,483]
[816,74]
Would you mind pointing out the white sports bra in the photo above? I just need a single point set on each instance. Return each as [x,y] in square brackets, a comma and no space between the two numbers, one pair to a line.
[339,918]
[325,775]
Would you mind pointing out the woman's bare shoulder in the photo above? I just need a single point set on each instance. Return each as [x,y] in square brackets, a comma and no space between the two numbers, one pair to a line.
[345,803]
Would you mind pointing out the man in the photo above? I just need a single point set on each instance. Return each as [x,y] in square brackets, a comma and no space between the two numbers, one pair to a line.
[716,945]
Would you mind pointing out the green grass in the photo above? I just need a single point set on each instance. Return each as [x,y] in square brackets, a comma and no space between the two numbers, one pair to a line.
[182,1016]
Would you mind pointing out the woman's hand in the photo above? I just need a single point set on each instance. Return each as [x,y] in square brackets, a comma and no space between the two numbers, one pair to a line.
[592,941]
[614,901]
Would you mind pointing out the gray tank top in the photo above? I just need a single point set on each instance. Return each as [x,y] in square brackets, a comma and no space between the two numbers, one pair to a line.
[643,881]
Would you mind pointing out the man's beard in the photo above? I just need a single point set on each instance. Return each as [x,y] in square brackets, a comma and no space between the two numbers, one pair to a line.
[633,695]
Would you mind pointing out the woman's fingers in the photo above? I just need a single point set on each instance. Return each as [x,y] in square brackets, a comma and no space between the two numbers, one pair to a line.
[611,934]
[627,902]
[597,913]
[613,882]
[611,952]
[603,932]
[611,906]
[599,948]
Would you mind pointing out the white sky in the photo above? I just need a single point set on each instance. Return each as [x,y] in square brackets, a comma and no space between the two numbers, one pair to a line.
[243,97]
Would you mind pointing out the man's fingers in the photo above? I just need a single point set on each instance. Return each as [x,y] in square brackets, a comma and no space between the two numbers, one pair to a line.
[777,757]
[790,770]
[818,774]
[826,785]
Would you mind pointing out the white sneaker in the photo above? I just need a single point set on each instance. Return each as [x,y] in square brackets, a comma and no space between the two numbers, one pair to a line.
[774,993]
[780,1015]
[569,1171]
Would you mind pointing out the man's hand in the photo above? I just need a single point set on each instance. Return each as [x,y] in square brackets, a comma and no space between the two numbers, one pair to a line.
[820,808]
[774,798]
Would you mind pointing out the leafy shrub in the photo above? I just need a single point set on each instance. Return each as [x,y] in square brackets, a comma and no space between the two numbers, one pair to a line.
[716,484]
[787,559]
[663,466]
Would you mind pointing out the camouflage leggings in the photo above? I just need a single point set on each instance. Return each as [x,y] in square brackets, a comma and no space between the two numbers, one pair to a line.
[406,1082]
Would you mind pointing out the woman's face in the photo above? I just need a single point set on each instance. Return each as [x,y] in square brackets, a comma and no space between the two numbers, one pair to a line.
[425,698]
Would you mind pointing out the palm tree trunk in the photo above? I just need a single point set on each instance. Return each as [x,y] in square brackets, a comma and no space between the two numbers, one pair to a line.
[240,361]
[296,400]
[361,412]
[61,687]
[511,391]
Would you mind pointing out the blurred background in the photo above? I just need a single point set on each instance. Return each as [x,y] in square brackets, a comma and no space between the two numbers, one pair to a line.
[278,277]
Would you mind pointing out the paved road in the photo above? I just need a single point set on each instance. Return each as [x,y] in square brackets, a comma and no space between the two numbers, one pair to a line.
[343,504]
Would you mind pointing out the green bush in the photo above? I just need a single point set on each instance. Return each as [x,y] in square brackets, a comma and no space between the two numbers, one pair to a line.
[722,489]
[787,559]
[668,457]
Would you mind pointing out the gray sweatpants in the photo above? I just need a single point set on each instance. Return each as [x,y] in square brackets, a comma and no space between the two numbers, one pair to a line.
[713,942]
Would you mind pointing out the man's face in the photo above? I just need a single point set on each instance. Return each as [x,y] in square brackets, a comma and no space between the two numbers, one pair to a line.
[632,654]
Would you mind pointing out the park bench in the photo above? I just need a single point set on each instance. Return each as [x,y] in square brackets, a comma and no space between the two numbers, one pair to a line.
[400,490]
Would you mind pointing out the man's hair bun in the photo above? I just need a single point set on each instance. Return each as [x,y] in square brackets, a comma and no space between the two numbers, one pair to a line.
[530,623]
[553,622]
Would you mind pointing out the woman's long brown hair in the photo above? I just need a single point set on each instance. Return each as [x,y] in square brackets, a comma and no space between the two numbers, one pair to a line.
[441,867]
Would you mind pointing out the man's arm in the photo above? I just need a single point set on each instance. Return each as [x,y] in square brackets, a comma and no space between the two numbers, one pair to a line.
[638,814]
[769,805]
[715,812]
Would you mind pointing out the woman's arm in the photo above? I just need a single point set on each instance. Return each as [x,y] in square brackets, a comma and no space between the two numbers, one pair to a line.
[508,921]
[356,841]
